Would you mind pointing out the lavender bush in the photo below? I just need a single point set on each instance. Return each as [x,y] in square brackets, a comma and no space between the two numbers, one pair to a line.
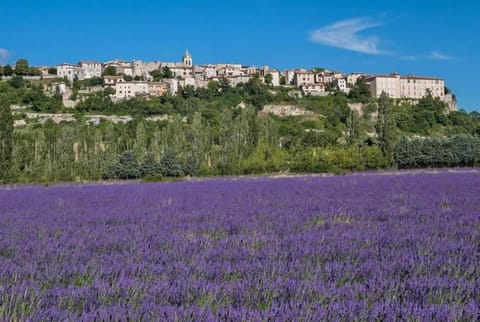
[357,247]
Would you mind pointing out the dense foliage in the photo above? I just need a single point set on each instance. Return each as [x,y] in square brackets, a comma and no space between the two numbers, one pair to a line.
[243,144]
[22,68]
[6,140]
[459,151]
[217,130]
[368,248]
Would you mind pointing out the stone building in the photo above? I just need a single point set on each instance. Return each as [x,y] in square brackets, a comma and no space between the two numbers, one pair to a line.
[70,71]
[91,69]
[303,77]
[406,87]
[131,89]
[183,69]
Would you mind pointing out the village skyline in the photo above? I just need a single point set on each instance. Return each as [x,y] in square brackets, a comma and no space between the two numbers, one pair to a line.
[128,79]
[422,38]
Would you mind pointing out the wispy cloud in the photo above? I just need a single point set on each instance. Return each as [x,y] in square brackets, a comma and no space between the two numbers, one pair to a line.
[434,55]
[348,34]
[4,53]
[438,56]
[345,34]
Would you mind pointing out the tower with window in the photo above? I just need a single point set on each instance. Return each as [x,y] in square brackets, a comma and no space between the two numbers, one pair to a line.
[187,59]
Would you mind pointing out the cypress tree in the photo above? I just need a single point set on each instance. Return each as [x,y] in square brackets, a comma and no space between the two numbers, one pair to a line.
[6,140]
[385,126]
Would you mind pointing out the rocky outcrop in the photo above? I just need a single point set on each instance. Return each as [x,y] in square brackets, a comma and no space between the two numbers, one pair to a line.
[286,110]
[89,119]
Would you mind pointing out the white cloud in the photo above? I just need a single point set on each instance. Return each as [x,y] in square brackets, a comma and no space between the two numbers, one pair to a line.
[434,55]
[4,55]
[438,56]
[345,34]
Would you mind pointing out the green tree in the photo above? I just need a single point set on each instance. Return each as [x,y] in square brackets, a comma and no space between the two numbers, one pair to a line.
[149,167]
[373,158]
[385,126]
[256,92]
[226,155]
[198,141]
[17,82]
[404,154]
[140,144]
[213,86]
[156,74]
[352,127]
[52,71]
[170,166]
[191,167]
[6,139]
[125,167]
[1,70]
[318,70]
[187,91]
[360,92]
[269,79]
[224,85]
[110,140]
[110,71]
[167,72]
[8,70]
[34,71]
[331,87]
[22,68]
[109,91]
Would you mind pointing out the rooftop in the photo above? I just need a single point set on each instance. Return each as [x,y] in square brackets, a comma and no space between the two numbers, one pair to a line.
[420,77]
[89,62]
[404,77]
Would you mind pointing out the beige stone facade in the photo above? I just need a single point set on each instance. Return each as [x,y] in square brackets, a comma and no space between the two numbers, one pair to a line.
[91,68]
[390,84]
[406,87]
[313,89]
[354,77]
[131,89]
[71,72]
[413,87]
[157,89]
[303,77]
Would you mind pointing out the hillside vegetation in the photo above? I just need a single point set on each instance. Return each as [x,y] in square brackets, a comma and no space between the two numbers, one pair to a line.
[221,130]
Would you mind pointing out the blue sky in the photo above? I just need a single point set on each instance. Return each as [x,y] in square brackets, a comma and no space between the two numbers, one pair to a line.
[431,38]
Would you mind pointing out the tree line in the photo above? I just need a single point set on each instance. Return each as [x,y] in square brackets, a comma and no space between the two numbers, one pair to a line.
[457,151]
[221,130]
[22,68]
[245,143]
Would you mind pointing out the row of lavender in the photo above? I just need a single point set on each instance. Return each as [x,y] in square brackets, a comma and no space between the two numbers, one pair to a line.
[359,247]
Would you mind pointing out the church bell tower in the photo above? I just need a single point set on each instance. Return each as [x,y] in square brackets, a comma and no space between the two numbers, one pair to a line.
[187,59]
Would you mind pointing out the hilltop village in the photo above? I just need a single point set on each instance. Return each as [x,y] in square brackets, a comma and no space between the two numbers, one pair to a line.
[123,120]
[128,79]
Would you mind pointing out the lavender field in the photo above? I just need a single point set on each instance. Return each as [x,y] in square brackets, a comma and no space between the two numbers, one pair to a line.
[357,247]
